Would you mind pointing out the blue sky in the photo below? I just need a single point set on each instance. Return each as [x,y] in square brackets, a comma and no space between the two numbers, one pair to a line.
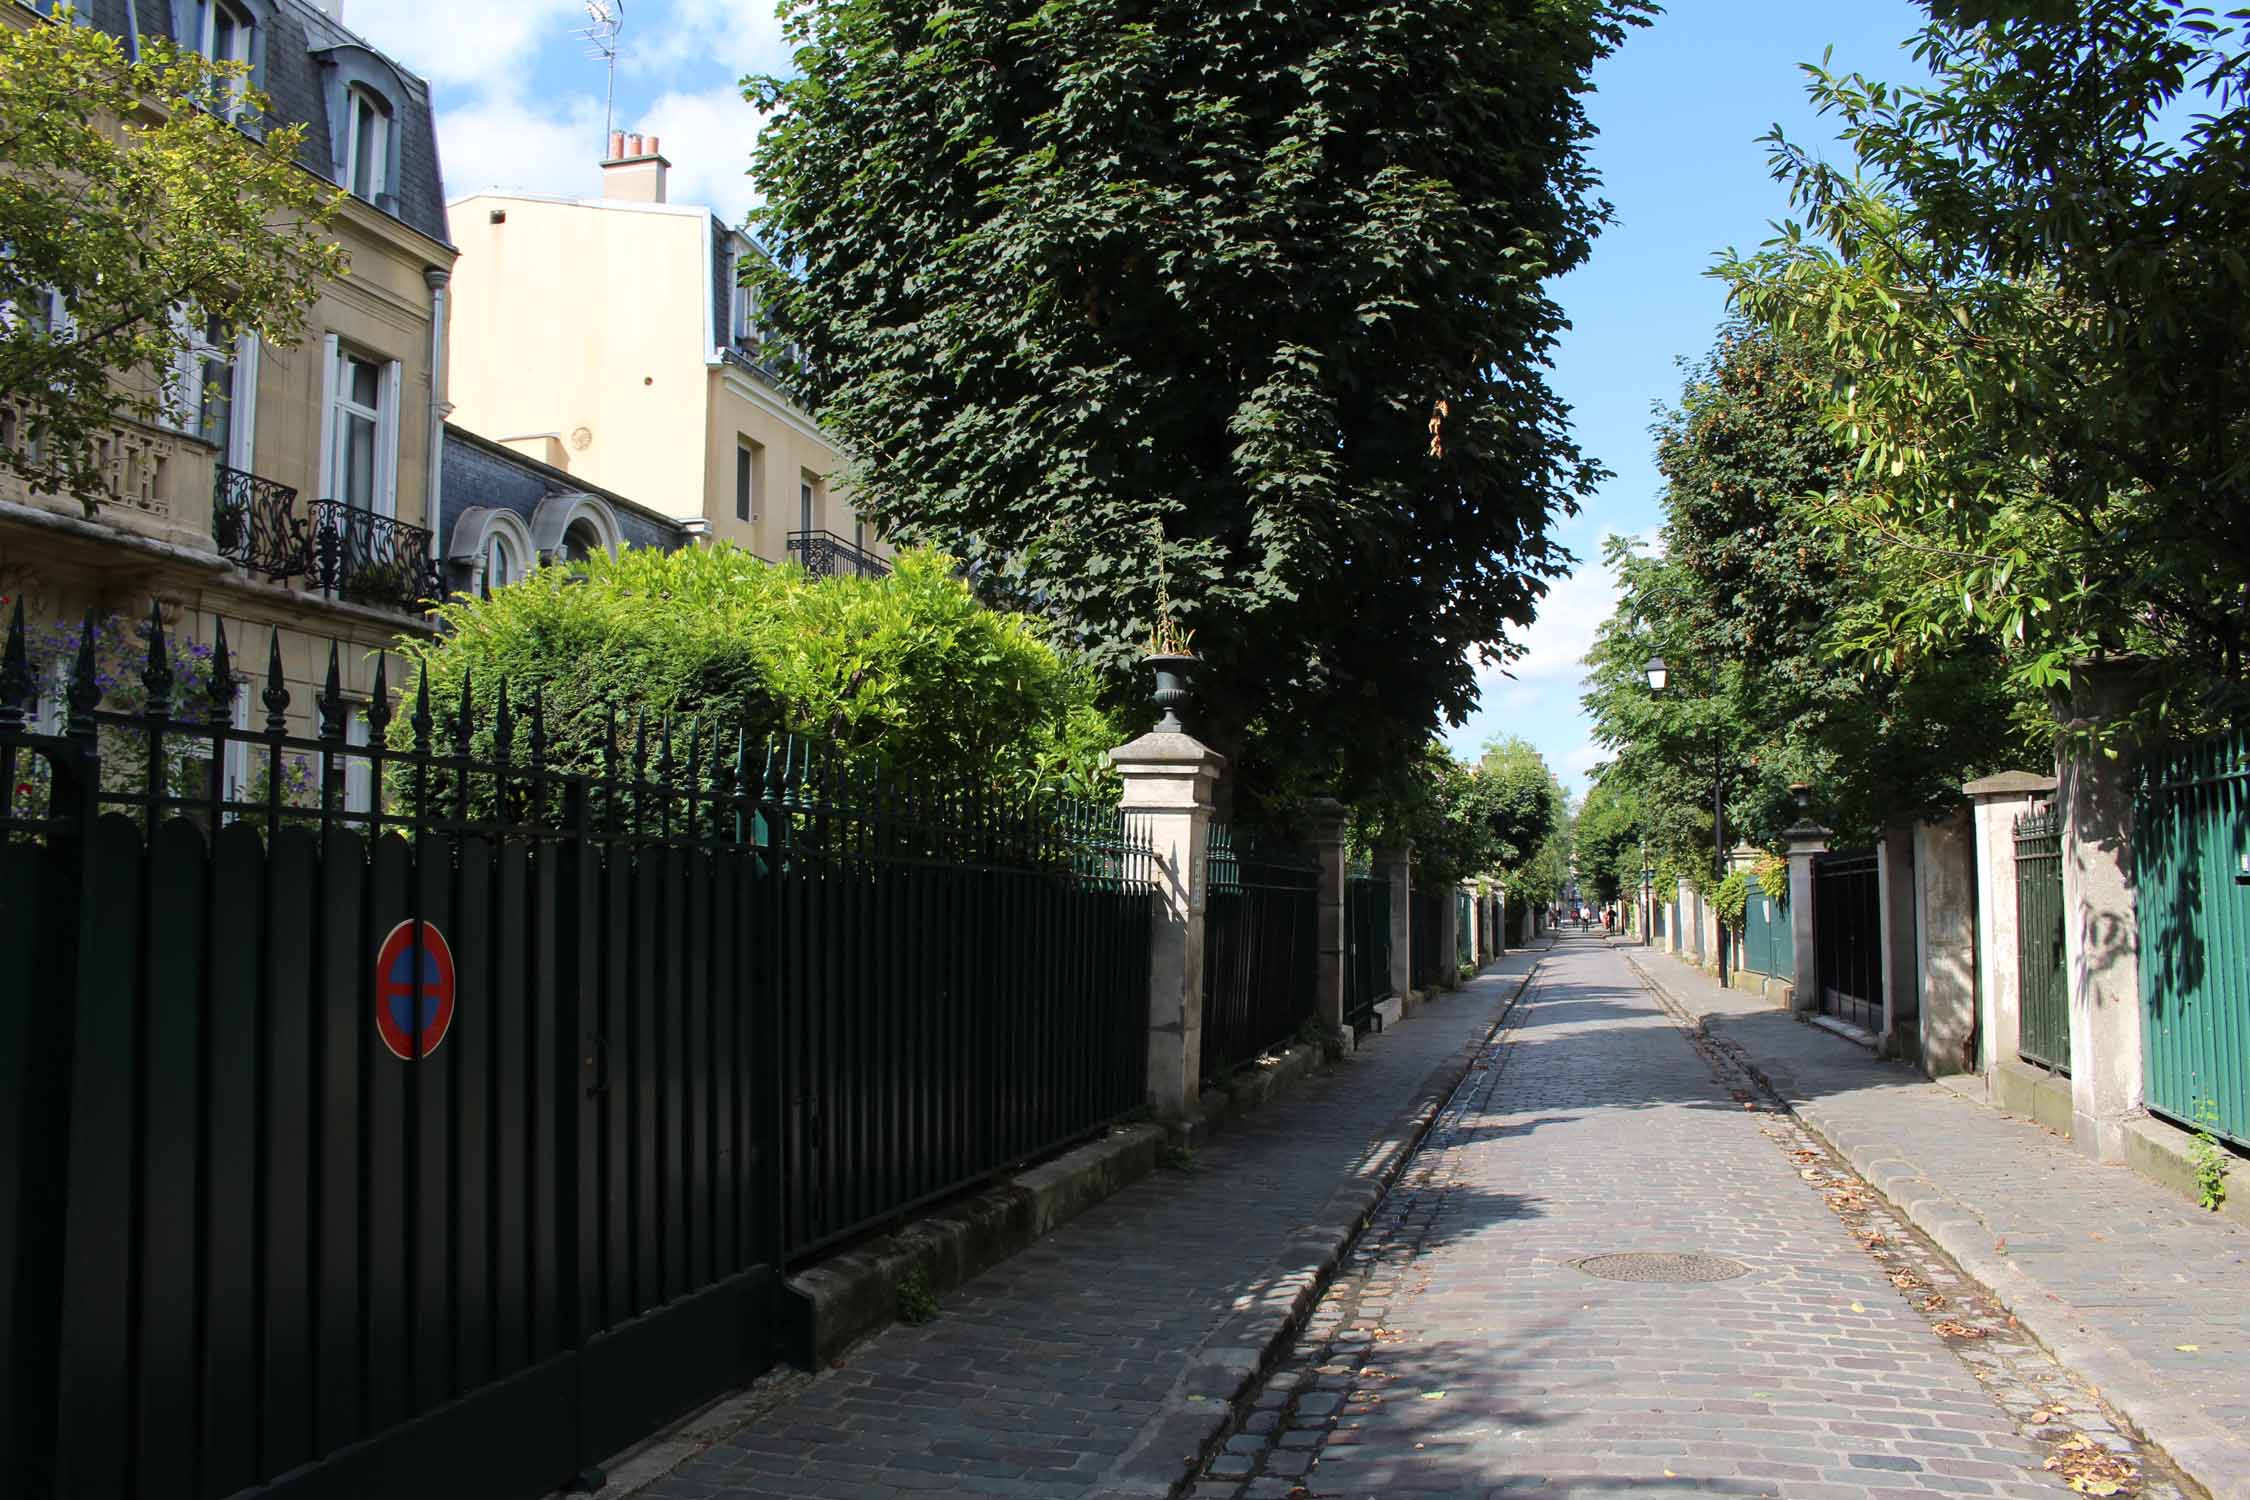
[1680,109]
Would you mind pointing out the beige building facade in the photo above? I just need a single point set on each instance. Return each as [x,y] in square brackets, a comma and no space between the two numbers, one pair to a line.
[293,503]
[609,337]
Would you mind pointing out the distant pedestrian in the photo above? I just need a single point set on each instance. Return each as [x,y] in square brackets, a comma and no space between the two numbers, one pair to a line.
[1609,920]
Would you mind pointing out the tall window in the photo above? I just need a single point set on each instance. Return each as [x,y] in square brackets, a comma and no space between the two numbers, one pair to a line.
[808,503]
[223,34]
[745,319]
[356,462]
[502,566]
[367,158]
[749,458]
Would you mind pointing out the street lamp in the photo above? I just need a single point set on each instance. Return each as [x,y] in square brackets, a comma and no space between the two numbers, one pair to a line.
[1660,677]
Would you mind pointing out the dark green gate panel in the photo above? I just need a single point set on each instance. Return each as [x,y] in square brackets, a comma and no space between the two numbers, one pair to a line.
[2042,983]
[1768,945]
[2191,849]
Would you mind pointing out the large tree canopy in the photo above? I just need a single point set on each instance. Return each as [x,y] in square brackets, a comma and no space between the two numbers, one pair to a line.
[2033,295]
[1238,305]
[1757,604]
[135,215]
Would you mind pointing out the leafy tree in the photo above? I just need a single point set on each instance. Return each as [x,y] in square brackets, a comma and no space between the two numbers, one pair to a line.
[2032,296]
[907,674]
[1754,606]
[134,214]
[1235,306]
[1465,820]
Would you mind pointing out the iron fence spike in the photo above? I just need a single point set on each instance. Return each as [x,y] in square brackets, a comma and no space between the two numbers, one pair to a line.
[276,694]
[379,706]
[220,690]
[156,677]
[424,726]
[85,691]
[18,700]
[331,701]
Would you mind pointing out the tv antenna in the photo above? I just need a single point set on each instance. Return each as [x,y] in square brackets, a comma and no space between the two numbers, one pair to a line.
[606,18]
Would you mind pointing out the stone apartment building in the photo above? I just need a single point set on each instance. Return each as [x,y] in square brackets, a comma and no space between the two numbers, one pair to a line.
[608,338]
[296,502]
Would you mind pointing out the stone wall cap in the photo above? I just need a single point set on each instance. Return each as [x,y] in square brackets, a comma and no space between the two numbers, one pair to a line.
[1166,749]
[2009,784]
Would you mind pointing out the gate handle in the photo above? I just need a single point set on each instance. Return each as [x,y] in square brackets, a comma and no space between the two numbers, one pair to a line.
[597,1062]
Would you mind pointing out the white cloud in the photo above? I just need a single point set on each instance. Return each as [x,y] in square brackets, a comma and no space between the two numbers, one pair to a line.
[708,138]
[739,37]
[501,141]
[462,41]
[1561,633]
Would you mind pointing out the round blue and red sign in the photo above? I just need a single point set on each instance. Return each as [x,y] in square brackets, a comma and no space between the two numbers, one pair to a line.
[413,990]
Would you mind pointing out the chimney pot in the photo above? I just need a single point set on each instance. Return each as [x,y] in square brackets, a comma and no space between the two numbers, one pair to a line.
[653,149]
[634,141]
[616,145]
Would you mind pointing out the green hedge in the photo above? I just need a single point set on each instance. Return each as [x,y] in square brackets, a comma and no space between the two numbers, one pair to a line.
[907,674]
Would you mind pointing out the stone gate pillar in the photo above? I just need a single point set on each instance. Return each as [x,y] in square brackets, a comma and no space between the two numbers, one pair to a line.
[1324,832]
[1394,863]
[2101,932]
[1170,785]
[1806,840]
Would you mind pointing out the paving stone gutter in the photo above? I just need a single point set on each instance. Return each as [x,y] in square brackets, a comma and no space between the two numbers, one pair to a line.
[2206,1449]
[852,1296]
[1228,1367]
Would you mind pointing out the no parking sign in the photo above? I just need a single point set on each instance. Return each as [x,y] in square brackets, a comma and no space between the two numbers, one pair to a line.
[410,1020]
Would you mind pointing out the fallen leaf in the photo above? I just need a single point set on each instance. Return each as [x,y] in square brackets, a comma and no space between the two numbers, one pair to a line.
[2187,1348]
[1953,1330]
[1856,1307]
[1932,1302]
[1905,1281]
[1433,1395]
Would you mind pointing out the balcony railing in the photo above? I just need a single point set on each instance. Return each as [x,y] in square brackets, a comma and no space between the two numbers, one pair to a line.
[371,559]
[827,555]
[255,523]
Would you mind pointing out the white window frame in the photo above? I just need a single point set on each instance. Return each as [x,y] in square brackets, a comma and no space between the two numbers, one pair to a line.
[377,151]
[184,383]
[245,28]
[808,502]
[743,319]
[497,542]
[749,462]
[337,402]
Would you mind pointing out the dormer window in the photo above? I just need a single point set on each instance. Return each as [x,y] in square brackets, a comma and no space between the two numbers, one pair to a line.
[367,156]
[223,33]
[745,312]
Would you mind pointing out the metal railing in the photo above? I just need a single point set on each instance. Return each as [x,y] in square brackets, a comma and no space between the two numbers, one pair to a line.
[2042,983]
[254,522]
[1367,946]
[370,559]
[824,554]
[414,1075]
[1260,926]
[1426,958]
[1848,938]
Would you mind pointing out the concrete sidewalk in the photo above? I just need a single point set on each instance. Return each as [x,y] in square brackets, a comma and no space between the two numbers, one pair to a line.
[1104,1360]
[2141,1292]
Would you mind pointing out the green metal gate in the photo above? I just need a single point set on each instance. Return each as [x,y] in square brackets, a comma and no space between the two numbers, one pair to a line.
[1367,946]
[1768,946]
[2042,984]
[2191,855]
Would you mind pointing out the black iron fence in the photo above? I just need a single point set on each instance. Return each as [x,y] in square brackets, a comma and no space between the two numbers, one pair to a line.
[1848,938]
[1426,956]
[445,1129]
[826,555]
[1260,927]
[1367,946]
[254,522]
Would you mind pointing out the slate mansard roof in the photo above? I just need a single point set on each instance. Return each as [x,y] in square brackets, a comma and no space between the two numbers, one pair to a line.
[299,49]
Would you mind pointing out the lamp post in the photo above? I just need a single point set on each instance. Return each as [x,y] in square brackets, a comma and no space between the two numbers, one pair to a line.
[1659,678]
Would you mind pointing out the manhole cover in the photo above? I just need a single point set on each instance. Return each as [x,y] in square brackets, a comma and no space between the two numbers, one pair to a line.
[1643,1267]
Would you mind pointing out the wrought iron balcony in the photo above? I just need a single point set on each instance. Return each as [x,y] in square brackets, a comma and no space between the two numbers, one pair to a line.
[255,523]
[372,559]
[827,555]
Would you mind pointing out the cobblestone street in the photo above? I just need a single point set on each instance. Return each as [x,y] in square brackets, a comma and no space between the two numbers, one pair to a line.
[1466,1348]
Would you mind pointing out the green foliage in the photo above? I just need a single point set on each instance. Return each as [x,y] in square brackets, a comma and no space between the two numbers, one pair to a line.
[917,1302]
[1731,898]
[1264,282]
[1464,820]
[1757,605]
[2210,1159]
[147,228]
[2031,295]
[908,674]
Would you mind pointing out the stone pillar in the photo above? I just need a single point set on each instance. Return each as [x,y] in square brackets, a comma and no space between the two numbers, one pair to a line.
[1894,893]
[1324,831]
[1683,896]
[1449,938]
[1394,863]
[1806,839]
[2101,935]
[1170,781]
[1945,950]
[1995,802]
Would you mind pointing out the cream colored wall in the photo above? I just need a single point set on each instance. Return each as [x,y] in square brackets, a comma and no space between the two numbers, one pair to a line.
[569,316]
[742,406]
[383,308]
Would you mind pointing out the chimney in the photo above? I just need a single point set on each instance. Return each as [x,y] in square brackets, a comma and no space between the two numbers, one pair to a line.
[634,172]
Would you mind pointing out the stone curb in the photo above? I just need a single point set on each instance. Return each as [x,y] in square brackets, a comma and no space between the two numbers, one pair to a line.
[2213,1457]
[1196,1417]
